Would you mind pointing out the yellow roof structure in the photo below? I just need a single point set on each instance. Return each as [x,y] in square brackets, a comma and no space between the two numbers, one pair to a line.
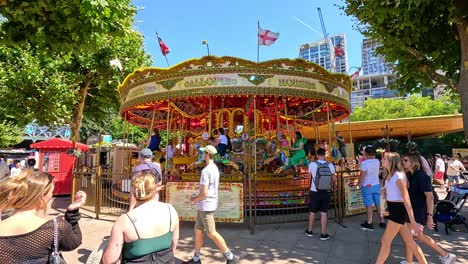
[396,128]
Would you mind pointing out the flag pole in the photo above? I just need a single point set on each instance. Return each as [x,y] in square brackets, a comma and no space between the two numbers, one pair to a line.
[258,44]
[166,61]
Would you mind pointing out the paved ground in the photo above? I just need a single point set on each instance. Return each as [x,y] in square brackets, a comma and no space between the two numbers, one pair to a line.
[280,243]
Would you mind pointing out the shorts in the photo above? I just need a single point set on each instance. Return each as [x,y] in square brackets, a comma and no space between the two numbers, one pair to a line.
[319,201]
[420,216]
[439,175]
[453,179]
[205,221]
[371,194]
[397,212]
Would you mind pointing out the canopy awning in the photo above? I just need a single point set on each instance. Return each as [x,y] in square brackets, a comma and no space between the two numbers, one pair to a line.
[58,143]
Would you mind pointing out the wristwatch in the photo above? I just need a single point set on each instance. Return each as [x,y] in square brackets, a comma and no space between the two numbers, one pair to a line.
[429,214]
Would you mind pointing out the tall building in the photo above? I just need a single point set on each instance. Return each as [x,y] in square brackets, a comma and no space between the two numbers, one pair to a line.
[371,62]
[319,52]
[373,87]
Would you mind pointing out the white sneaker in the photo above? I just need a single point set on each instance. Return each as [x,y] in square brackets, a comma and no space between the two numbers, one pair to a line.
[405,262]
[449,259]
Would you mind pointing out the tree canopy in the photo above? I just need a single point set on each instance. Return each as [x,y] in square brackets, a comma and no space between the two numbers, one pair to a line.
[414,106]
[56,70]
[425,41]
[65,25]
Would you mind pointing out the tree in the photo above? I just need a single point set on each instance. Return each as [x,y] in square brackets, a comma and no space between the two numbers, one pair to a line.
[67,72]
[415,106]
[65,25]
[10,134]
[426,41]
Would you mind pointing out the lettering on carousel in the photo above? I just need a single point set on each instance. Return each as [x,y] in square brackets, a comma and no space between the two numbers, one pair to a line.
[210,81]
[297,83]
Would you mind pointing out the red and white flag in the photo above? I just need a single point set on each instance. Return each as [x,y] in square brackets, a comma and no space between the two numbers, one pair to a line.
[266,37]
[164,49]
[355,74]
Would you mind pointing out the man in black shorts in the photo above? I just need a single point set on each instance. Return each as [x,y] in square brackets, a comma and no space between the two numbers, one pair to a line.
[319,200]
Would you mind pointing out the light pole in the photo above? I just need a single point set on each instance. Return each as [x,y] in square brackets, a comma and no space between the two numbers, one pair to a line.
[205,42]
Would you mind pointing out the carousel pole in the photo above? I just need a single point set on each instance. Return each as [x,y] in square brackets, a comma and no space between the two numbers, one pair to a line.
[269,123]
[210,121]
[151,127]
[277,115]
[168,124]
[286,115]
[255,134]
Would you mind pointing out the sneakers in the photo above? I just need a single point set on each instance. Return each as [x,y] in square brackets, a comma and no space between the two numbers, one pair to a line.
[449,259]
[324,237]
[308,233]
[194,262]
[382,225]
[367,226]
[234,260]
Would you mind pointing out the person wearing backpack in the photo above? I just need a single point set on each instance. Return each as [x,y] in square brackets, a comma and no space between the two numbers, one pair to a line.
[322,182]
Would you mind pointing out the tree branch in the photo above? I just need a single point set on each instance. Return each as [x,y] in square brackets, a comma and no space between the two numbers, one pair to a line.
[430,71]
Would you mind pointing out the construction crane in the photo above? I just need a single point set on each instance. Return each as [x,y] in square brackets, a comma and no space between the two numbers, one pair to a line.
[328,41]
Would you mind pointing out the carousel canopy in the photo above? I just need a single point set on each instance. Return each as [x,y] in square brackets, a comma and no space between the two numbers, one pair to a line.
[229,90]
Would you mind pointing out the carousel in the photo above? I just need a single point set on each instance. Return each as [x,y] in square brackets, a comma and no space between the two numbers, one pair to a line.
[260,106]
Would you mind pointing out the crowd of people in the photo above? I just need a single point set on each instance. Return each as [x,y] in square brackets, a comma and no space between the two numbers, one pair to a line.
[13,167]
[403,181]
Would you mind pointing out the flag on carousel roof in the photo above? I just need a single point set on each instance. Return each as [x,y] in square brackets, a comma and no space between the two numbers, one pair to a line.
[164,49]
[355,74]
[266,37]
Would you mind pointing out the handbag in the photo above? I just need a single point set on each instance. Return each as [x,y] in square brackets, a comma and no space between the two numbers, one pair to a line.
[56,257]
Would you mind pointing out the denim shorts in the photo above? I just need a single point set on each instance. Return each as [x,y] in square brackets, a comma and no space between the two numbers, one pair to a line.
[453,179]
[371,194]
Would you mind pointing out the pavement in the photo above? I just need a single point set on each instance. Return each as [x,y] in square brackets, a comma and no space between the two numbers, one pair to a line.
[279,243]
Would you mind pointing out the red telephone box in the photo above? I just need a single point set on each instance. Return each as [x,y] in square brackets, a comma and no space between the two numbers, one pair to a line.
[55,158]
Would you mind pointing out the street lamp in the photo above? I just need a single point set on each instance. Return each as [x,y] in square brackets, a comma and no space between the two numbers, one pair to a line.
[205,42]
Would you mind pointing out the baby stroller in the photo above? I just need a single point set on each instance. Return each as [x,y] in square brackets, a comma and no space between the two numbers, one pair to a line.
[448,211]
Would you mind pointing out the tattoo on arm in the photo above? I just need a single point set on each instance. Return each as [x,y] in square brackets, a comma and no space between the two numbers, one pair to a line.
[118,245]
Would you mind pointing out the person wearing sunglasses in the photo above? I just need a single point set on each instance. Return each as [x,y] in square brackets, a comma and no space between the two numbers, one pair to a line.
[149,233]
[422,201]
[27,196]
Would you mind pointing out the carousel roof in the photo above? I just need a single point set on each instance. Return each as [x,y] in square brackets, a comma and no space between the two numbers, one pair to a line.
[191,91]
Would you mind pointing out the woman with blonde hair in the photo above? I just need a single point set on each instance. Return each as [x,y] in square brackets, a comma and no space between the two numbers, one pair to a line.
[149,233]
[422,200]
[399,209]
[27,195]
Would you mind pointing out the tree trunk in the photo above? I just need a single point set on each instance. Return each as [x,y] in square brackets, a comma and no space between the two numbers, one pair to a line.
[77,117]
[462,86]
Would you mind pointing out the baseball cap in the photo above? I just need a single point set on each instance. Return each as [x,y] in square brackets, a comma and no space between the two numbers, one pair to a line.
[210,149]
[146,153]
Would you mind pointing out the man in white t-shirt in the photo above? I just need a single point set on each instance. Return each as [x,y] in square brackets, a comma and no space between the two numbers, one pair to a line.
[207,203]
[439,170]
[16,170]
[370,187]
[454,168]
[319,200]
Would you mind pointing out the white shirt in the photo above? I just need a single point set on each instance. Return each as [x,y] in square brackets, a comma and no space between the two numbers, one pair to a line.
[15,172]
[313,171]
[371,167]
[223,139]
[454,167]
[393,192]
[440,165]
[209,177]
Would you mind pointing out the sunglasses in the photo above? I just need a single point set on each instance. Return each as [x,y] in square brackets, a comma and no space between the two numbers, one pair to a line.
[51,179]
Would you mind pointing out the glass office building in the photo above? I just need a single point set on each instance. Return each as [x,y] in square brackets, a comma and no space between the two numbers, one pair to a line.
[319,52]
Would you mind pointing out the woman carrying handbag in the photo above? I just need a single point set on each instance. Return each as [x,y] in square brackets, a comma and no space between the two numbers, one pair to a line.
[41,240]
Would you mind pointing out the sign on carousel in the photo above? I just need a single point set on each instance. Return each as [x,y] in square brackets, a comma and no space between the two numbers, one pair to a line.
[230,201]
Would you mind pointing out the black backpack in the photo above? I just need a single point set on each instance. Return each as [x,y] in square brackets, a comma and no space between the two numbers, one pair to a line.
[323,177]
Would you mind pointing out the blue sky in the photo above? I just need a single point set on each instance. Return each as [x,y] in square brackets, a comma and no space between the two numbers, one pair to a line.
[230,27]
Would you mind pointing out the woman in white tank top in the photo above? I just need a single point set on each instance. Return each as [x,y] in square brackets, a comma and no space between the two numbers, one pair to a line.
[399,208]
